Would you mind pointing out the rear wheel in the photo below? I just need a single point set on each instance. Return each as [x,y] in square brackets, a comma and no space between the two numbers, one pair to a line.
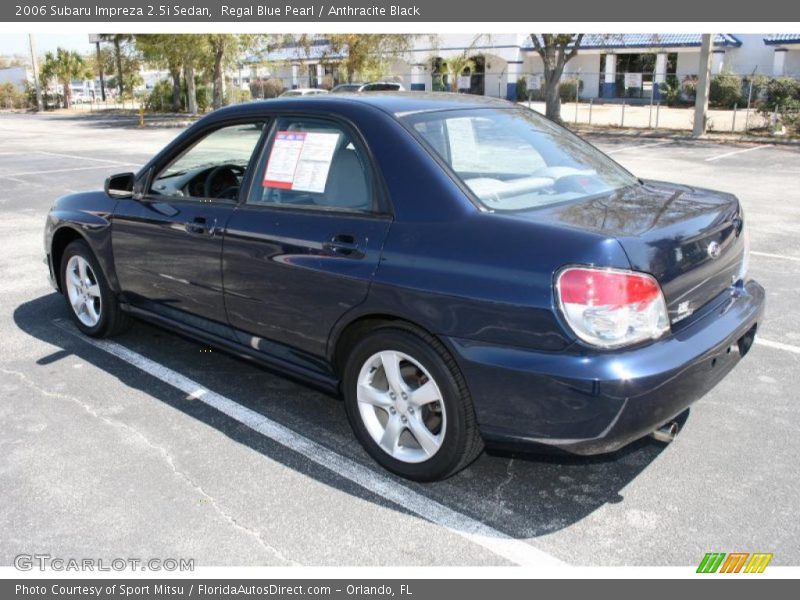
[93,306]
[409,405]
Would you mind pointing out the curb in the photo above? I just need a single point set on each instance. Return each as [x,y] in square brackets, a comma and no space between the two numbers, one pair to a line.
[682,136]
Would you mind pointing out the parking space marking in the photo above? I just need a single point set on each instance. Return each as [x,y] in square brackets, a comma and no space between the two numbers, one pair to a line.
[14,179]
[771,255]
[726,154]
[497,542]
[50,171]
[103,160]
[778,345]
[638,146]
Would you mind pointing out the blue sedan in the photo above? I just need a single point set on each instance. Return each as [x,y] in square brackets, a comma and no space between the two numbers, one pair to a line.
[462,271]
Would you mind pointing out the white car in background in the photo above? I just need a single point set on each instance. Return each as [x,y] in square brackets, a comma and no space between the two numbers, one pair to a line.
[372,86]
[304,92]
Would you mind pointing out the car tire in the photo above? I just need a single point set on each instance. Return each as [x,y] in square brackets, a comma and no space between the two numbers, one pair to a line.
[92,305]
[422,425]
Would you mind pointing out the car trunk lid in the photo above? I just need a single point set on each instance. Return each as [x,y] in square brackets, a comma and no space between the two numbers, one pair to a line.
[690,239]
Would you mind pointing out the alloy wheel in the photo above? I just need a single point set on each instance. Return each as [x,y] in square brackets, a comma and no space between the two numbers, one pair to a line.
[401,406]
[83,291]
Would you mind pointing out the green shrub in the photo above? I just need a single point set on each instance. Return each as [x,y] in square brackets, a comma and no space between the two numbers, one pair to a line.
[670,90]
[11,97]
[160,97]
[205,96]
[266,88]
[568,88]
[236,95]
[725,90]
[522,89]
[438,84]
[689,88]
[781,91]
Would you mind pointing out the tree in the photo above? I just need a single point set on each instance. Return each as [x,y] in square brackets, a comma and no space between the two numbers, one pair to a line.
[118,40]
[455,67]
[555,50]
[165,51]
[122,60]
[362,52]
[224,48]
[194,50]
[64,66]
[181,53]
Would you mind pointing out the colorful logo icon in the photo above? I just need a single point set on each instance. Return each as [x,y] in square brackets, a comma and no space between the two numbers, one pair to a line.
[735,562]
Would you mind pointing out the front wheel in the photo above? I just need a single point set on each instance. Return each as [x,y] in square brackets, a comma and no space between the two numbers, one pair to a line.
[409,405]
[92,304]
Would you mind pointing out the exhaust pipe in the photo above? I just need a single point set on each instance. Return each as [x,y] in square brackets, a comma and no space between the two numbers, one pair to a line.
[666,433]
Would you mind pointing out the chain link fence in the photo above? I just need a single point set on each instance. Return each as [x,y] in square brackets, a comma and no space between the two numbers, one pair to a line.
[738,103]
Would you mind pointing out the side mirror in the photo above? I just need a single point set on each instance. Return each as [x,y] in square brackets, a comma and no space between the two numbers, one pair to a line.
[120,185]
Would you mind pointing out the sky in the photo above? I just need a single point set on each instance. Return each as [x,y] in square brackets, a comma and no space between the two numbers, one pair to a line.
[17,43]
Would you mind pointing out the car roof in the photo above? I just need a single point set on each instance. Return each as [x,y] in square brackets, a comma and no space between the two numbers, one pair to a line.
[395,103]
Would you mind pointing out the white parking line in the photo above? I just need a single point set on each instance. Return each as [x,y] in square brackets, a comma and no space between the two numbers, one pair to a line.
[718,156]
[770,255]
[49,171]
[495,541]
[778,345]
[637,146]
[75,156]
[14,179]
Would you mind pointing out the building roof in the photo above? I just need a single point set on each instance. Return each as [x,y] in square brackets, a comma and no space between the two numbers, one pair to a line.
[782,38]
[295,52]
[650,40]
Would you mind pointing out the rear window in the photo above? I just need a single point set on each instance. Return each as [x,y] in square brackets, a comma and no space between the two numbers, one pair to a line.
[515,159]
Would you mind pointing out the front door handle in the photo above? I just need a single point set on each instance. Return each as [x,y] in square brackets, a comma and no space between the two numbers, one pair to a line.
[201,226]
[344,245]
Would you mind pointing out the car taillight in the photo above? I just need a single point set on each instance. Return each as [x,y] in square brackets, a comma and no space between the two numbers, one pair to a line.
[612,307]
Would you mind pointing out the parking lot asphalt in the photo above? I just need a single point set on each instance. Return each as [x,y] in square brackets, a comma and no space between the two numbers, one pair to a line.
[110,451]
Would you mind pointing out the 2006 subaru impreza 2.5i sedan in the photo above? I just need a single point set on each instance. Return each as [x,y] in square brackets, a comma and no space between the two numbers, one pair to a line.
[460,269]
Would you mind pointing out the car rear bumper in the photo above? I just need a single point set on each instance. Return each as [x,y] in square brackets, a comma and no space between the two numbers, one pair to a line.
[590,402]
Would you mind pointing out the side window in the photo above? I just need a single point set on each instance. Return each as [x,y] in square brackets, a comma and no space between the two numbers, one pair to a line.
[313,164]
[213,167]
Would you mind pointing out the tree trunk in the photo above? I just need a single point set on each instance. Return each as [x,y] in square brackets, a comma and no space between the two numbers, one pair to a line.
[552,100]
[219,83]
[118,57]
[191,90]
[176,90]
[67,94]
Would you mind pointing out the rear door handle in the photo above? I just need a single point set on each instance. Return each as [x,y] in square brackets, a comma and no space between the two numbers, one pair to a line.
[200,226]
[344,245]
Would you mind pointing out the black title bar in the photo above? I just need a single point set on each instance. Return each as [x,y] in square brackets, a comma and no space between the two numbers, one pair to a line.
[267,11]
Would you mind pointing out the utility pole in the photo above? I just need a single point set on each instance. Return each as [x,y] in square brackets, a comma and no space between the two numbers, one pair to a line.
[703,86]
[100,68]
[35,66]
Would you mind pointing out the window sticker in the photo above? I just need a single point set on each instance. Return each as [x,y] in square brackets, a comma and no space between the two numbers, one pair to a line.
[464,151]
[300,160]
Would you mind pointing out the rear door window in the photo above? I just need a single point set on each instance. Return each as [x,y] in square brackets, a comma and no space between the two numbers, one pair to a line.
[311,163]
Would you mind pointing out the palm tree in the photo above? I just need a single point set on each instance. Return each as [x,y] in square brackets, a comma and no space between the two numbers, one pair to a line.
[64,66]
[455,67]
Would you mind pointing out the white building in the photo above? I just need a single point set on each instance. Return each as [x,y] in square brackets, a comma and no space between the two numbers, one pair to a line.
[608,66]
[18,76]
